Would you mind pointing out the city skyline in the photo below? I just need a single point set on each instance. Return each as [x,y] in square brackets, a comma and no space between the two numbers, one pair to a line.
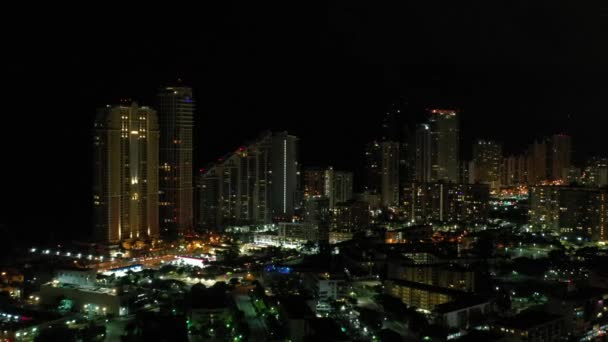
[282,171]
[509,86]
[357,167]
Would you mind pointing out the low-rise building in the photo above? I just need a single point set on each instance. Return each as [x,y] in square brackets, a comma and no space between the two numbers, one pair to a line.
[298,231]
[408,234]
[19,324]
[325,287]
[581,308]
[570,210]
[462,313]
[421,296]
[427,269]
[77,276]
[93,299]
[532,326]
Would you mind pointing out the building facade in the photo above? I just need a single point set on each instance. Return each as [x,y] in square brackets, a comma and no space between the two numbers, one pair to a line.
[447,202]
[596,172]
[487,158]
[560,156]
[445,145]
[337,186]
[125,190]
[255,184]
[176,119]
[570,210]
[314,182]
[423,155]
[373,167]
[390,173]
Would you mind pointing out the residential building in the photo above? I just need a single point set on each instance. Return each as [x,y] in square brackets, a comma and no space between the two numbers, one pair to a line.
[125,181]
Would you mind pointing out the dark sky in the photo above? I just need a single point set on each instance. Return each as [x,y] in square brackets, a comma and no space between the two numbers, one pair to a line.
[517,70]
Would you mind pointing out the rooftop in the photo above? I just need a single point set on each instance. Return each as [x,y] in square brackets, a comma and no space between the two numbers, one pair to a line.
[527,319]
[94,289]
[460,303]
[425,287]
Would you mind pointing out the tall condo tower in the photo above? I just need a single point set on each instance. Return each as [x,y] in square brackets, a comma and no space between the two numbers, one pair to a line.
[176,117]
[125,189]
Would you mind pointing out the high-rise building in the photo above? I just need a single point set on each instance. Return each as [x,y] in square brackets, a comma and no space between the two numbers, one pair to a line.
[445,145]
[596,172]
[314,182]
[373,167]
[522,170]
[537,162]
[396,129]
[390,173]
[351,216]
[487,156]
[342,187]
[284,175]
[395,120]
[317,213]
[513,171]
[561,157]
[570,210]
[337,186]
[573,175]
[447,202]
[423,155]
[176,118]
[255,184]
[125,188]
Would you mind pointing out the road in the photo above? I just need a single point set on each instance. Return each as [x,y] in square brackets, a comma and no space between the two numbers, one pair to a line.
[257,327]
[148,262]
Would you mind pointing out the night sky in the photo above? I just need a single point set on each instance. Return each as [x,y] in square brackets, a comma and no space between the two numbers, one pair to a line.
[517,70]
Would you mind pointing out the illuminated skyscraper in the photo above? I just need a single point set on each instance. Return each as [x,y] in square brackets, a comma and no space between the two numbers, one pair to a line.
[314,182]
[125,189]
[447,202]
[596,172]
[373,167]
[342,187]
[487,156]
[255,184]
[561,156]
[423,154]
[176,118]
[284,167]
[337,186]
[570,210]
[514,171]
[445,145]
[390,173]
[537,162]
[318,214]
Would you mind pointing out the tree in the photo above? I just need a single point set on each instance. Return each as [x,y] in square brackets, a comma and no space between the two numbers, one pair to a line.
[557,256]
[94,333]
[308,247]
[56,334]
[484,246]
[393,306]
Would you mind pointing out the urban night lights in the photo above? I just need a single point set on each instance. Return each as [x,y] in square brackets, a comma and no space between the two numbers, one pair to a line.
[349,171]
